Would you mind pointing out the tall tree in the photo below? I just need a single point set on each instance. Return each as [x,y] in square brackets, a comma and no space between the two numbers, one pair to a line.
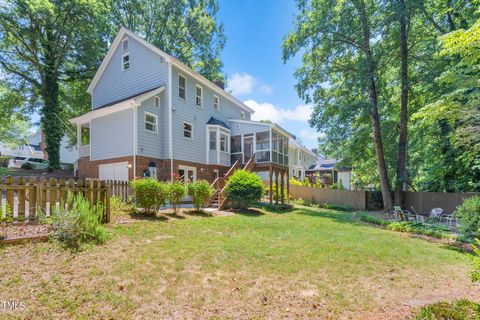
[45,43]
[14,115]
[339,65]
[187,30]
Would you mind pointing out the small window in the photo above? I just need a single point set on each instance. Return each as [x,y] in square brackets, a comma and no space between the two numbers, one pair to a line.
[182,91]
[150,122]
[242,115]
[187,130]
[223,142]
[213,140]
[157,101]
[125,45]
[199,99]
[125,62]
[216,103]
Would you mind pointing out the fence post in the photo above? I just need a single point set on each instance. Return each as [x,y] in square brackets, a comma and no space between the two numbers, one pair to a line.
[52,189]
[21,197]
[32,198]
[105,198]
[10,193]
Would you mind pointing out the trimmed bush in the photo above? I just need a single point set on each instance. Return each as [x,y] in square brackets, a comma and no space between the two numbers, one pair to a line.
[201,192]
[244,188]
[419,228]
[176,192]
[150,194]
[468,214]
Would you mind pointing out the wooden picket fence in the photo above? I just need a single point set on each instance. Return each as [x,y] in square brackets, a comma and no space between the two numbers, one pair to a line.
[27,197]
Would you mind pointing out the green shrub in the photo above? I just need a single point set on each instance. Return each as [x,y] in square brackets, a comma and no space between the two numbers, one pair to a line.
[27,166]
[119,207]
[306,182]
[244,188]
[295,182]
[274,192]
[365,217]
[176,192]
[80,223]
[419,228]
[4,161]
[458,310]
[201,192]
[338,207]
[468,214]
[150,194]
[475,275]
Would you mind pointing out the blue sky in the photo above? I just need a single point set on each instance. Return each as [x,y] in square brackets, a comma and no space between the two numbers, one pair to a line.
[253,63]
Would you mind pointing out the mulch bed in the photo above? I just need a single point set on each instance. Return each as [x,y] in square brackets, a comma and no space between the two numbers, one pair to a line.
[24,231]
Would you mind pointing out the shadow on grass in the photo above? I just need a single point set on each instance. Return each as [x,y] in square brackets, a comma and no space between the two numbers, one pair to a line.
[460,247]
[197,213]
[337,216]
[275,208]
[147,217]
[174,215]
[249,212]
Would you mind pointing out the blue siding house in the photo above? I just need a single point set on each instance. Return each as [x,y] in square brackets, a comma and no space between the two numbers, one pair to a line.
[154,116]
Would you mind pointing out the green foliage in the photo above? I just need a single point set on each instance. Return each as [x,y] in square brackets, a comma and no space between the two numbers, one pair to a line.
[468,214]
[14,113]
[458,310]
[244,188]
[150,194]
[78,222]
[274,192]
[201,192]
[306,182]
[338,207]
[475,275]
[4,161]
[419,228]
[27,166]
[295,182]
[119,207]
[365,217]
[176,192]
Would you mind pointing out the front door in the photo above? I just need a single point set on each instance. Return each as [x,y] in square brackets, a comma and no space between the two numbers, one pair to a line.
[247,148]
[187,173]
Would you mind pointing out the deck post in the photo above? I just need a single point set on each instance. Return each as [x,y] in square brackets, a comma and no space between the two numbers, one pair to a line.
[276,187]
[282,188]
[271,184]
[288,186]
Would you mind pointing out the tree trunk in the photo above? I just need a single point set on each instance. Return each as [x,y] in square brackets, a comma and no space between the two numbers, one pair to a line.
[51,125]
[375,117]
[402,139]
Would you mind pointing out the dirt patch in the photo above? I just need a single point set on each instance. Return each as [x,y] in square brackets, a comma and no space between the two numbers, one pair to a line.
[25,230]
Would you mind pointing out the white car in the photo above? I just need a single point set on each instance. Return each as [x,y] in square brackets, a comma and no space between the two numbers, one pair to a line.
[17,161]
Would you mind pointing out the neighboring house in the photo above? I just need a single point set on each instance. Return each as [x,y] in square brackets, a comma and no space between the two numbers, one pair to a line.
[35,148]
[328,172]
[301,158]
[154,116]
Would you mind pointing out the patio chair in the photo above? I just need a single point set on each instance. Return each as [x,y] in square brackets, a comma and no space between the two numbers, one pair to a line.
[436,213]
[404,214]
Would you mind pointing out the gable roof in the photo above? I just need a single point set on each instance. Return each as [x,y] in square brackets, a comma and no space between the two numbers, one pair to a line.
[174,61]
[217,122]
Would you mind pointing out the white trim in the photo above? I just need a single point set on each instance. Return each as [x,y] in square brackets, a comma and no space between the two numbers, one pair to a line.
[191,130]
[123,31]
[146,113]
[201,95]
[218,104]
[123,63]
[170,121]
[207,143]
[185,88]
[185,169]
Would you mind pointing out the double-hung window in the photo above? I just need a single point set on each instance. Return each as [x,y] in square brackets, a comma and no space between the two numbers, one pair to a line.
[224,142]
[199,97]
[182,87]
[213,140]
[151,122]
[216,102]
[187,130]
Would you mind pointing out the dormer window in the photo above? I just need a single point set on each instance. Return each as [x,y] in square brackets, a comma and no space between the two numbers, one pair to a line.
[125,62]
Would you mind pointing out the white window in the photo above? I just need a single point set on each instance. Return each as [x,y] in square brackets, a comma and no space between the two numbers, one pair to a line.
[213,140]
[242,115]
[182,85]
[187,130]
[199,99]
[125,62]
[125,45]
[216,102]
[223,142]
[157,101]
[151,122]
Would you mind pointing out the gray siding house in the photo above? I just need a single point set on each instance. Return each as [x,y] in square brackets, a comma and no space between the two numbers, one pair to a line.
[154,116]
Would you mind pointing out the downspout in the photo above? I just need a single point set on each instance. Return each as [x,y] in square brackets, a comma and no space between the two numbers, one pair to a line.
[135,124]
[170,121]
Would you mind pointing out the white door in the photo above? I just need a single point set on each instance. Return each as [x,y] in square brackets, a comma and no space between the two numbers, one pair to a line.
[187,174]
[113,171]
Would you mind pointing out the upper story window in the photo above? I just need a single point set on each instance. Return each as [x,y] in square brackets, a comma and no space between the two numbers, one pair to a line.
[242,115]
[151,122]
[187,130]
[157,101]
[125,45]
[216,102]
[213,140]
[125,62]
[199,96]
[182,87]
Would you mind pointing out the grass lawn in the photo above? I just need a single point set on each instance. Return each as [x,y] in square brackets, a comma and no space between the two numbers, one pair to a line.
[309,263]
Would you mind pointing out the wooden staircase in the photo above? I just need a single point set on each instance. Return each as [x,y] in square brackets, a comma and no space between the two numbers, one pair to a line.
[218,199]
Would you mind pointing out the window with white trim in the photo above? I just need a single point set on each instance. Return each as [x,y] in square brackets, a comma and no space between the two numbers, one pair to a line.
[182,87]
[213,140]
[187,130]
[199,96]
[156,100]
[151,122]
[242,115]
[224,142]
[125,62]
[216,102]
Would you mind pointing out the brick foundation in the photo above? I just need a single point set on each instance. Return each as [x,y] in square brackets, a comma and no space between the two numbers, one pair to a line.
[89,169]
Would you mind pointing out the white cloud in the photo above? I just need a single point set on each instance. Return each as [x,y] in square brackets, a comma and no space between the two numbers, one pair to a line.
[244,83]
[310,134]
[267,111]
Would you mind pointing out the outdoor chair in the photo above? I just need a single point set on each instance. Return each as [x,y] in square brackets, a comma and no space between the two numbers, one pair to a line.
[404,214]
[436,213]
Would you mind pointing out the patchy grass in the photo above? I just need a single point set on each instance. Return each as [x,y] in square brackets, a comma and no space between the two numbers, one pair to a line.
[308,263]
